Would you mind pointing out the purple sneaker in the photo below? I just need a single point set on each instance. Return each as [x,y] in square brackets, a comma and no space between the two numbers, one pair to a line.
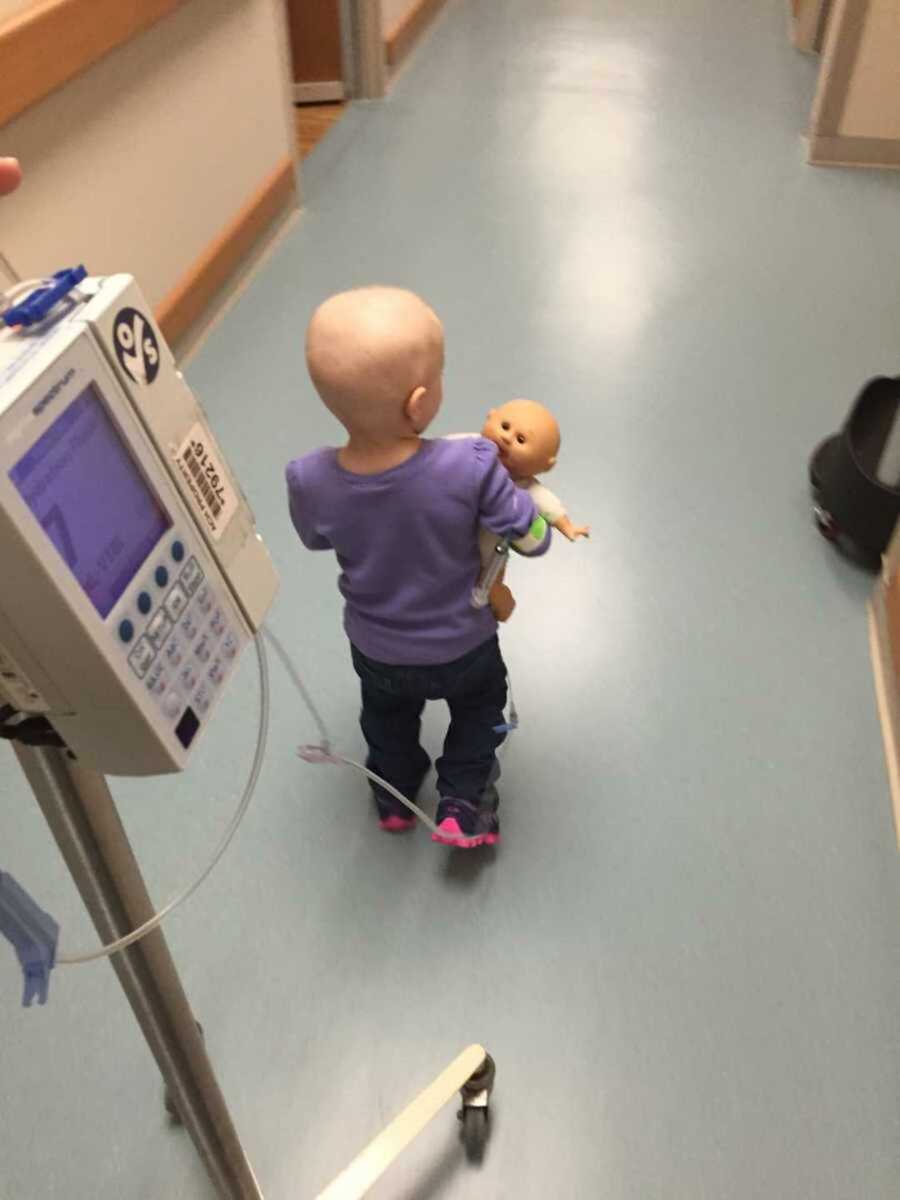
[465,825]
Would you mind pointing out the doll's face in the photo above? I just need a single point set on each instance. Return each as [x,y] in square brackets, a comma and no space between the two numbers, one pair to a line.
[526,436]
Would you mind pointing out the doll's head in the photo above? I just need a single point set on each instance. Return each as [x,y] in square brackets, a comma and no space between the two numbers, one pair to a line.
[376,358]
[526,435]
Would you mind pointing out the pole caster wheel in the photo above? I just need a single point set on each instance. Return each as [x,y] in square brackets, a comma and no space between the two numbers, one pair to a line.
[474,1114]
[474,1132]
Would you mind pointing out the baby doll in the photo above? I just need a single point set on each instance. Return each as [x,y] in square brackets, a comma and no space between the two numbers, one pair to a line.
[527,439]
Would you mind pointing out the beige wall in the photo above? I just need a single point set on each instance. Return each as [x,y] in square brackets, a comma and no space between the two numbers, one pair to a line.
[138,164]
[872,107]
[393,12]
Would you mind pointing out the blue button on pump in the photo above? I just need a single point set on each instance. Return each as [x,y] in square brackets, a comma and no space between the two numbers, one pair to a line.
[126,630]
[144,603]
[161,576]
[178,551]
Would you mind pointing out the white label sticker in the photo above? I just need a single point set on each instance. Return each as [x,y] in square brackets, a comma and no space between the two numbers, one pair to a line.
[200,463]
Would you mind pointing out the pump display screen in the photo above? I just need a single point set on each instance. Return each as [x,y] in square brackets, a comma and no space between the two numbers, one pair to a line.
[89,495]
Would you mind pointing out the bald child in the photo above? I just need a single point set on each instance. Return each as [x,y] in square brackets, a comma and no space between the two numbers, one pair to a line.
[402,513]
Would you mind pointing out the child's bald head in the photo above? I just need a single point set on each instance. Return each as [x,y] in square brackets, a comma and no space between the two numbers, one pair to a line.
[375,356]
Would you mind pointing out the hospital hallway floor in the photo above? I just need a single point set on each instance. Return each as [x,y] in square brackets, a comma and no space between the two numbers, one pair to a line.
[685,955]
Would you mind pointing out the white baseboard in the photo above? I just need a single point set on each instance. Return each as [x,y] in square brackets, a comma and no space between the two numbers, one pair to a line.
[328,91]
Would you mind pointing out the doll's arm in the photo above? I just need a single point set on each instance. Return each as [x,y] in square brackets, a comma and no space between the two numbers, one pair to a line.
[554,512]
[572,532]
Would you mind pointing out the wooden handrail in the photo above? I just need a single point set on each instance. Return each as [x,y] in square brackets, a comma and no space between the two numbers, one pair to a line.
[52,41]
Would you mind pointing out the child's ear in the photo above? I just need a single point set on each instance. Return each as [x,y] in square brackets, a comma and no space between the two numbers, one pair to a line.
[551,463]
[414,409]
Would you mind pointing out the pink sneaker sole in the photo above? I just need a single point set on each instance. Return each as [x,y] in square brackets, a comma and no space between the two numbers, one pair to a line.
[450,834]
[394,824]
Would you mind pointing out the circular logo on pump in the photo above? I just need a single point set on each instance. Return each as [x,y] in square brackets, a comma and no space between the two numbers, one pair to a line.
[136,346]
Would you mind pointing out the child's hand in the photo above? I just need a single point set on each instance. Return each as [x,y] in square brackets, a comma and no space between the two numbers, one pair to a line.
[502,602]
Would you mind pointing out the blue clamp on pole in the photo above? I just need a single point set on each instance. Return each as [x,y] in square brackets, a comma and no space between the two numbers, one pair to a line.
[37,304]
[34,935]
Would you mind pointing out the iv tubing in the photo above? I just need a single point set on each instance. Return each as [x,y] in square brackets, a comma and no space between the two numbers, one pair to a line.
[481,593]
[324,754]
[320,753]
[156,920]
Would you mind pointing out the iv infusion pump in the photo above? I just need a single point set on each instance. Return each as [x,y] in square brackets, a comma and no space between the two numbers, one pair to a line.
[132,573]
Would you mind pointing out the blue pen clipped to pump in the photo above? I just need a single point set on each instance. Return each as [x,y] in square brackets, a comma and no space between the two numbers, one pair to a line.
[33,934]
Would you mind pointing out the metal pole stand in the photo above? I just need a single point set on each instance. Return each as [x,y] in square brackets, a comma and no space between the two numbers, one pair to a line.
[471,1074]
[86,825]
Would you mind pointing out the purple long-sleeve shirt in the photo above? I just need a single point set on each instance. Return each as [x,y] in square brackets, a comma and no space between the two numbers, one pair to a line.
[407,544]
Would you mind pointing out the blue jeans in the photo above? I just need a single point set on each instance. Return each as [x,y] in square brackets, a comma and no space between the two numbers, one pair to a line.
[393,698]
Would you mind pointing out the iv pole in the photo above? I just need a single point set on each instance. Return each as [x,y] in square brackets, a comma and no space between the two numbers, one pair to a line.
[85,823]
